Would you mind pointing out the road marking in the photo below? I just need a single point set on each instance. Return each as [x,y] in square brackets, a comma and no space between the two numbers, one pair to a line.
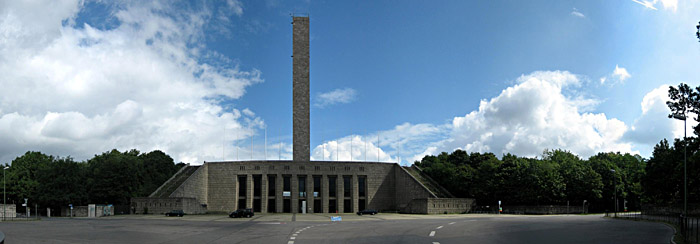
[432,233]
[439,227]
[292,238]
[290,242]
[435,242]
[453,223]
[295,234]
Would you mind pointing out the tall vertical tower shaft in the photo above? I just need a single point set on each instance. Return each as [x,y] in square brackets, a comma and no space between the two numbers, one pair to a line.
[300,90]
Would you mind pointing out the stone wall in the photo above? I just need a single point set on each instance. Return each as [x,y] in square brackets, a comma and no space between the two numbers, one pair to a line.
[408,189]
[194,187]
[78,211]
[450,205]
[439,206]
[9,209]
[162,205]
[543,209]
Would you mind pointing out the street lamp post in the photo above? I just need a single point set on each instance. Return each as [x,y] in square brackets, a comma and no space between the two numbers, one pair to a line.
[615,188]
[3,193]
[685,160]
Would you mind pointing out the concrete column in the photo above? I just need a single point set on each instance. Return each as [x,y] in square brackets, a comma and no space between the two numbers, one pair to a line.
[300,90]
[279,181]
[263,192]
[324,193]
[235,192]
[340,197]
[310,193]
[355,194]
[249,191]
[295,193]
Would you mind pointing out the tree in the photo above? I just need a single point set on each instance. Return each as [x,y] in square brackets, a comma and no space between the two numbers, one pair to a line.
[684,100]
[22,176]
[114,177]
[580,180]
[62,182]
[157,167]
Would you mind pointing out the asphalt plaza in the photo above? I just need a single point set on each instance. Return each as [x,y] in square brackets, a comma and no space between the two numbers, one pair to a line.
[317,228]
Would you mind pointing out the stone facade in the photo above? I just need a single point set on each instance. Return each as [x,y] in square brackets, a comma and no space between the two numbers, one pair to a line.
[300,89]
[283,186]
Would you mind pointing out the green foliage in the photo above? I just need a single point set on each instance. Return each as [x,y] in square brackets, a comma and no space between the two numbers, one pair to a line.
[557,178]
[112,177]
[663,183]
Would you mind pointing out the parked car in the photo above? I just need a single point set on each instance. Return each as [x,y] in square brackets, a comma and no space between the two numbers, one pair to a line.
[367,211]
[173,213]
[245,212]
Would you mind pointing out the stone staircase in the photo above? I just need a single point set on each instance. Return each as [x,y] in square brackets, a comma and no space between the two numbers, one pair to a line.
[428,182]
[174,182]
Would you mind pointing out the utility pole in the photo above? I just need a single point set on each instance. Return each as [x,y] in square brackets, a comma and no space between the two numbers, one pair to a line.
[350,148]
[251,146]
[377,146]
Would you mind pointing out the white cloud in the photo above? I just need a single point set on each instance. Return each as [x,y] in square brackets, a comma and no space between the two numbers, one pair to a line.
[667,4]
[535,115]
[654,125]
[344,95]
[403,143]
[79,90]
[525,119]
[577,13]
[619,75]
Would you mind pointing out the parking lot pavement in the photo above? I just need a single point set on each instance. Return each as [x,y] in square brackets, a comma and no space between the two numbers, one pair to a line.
[317,228]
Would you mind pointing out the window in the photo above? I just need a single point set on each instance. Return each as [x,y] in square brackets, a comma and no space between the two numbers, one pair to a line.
[242,167]
[347,186]
[361,185]
[257,183]
[317,186]
[317,168]
[241,185]
[302,186]
[271,186]
[332,186]
[287,186]
[347,168]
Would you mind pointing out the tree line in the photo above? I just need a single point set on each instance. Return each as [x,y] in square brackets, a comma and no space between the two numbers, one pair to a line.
[112,177]
[559,176]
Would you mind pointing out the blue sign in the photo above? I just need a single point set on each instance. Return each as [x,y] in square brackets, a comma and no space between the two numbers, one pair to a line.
[336,218]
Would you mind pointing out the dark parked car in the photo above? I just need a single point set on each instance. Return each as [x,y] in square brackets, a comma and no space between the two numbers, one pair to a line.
[246,212]
[174,213]
[367,211]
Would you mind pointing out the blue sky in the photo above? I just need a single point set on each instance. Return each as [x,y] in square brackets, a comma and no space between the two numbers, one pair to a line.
[198,79]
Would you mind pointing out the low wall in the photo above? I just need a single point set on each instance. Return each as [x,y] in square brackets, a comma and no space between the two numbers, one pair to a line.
[439,206]
[162,205]
[78,211]
[693,210]
[543,209]
[10,210]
